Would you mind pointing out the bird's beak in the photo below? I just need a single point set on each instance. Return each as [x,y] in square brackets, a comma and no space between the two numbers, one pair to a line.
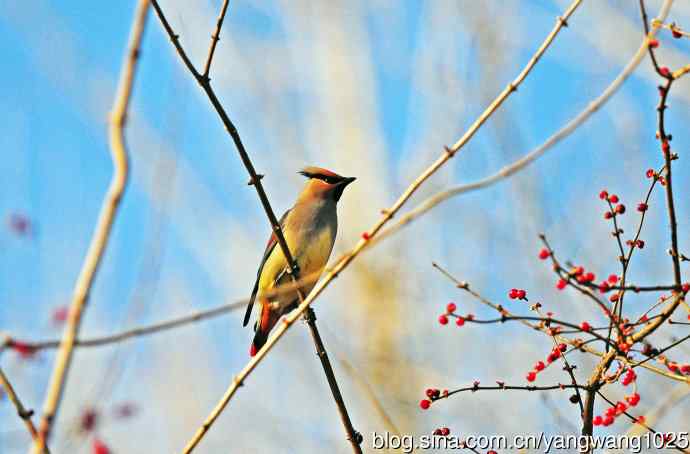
[347,180]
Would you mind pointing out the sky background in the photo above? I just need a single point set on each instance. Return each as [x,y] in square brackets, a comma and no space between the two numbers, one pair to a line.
[367,89]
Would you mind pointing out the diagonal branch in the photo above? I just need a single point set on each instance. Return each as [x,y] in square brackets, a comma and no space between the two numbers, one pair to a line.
[214,39]
[155,327]
[529,158]
[101,235]
[22,412]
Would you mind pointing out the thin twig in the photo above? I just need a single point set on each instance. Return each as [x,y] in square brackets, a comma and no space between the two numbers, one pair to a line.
[101,235]
[215,37]
[22,412]
[537,152]
[664,139]
[154,328]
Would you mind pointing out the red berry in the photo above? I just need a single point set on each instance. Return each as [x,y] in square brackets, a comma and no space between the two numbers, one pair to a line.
[445,431]
[608,215]
[640,244]
[366,236]
[561,284]
[613,279]
[60,315]
[613,198]
[640,419]
[603,195]
[650,173]
[451,308]
[653,43]
[603,287]
[665,146]
[531,376]
[98,447]
[621,407]
[620,208]
[607,421]
[611,411]
[125,410]
[24,350]
[443,319]
[424,404]
[613,298]
[460,321]
[562,347]
[429,393]
[664,71]
[539,366]
[521,294]
[685,287]
[88,420]
[19,224]
[597,420]
[584,326]
[633,399]
[676,33]
[642,207]
[544,254]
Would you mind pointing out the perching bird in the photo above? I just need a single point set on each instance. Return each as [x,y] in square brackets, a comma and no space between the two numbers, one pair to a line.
[309,228]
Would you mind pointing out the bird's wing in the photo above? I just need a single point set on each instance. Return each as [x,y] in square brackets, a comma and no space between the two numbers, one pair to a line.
[272,241]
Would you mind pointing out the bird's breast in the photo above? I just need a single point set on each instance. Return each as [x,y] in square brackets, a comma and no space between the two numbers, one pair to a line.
[315,249]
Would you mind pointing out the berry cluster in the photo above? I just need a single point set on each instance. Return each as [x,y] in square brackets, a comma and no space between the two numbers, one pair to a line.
[442,431]
[615,207]
[556,352]
[432,394]
[517,294]
[450,311]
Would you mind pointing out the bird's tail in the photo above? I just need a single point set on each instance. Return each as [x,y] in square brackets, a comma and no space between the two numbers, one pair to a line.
[264,325]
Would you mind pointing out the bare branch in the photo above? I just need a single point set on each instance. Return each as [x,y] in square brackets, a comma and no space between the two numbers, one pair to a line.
[22,412]
[101,235]
[214,39]
[515,167]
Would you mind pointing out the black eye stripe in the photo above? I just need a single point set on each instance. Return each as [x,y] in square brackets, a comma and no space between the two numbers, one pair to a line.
[327,179]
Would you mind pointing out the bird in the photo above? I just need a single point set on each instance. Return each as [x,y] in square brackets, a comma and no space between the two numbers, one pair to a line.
[309,228]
